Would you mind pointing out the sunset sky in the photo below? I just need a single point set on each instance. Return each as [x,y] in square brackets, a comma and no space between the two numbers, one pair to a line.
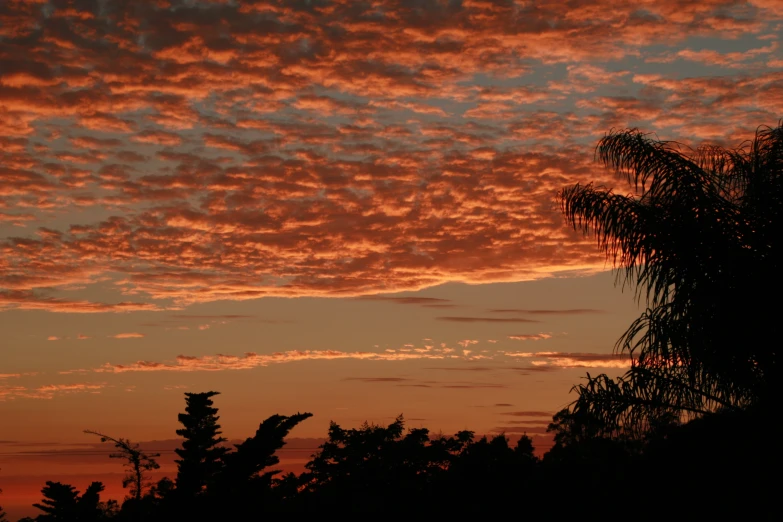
[341,207]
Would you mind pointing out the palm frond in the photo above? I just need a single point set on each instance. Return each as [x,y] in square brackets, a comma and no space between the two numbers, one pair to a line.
[700,229]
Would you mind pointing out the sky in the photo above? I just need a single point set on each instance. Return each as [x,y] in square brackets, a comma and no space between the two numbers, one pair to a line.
[341,207]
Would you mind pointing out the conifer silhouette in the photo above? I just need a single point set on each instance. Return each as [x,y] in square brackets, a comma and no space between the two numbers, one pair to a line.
[201,453]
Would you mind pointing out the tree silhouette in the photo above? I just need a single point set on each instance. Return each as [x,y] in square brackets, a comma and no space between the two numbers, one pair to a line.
[697,240]
[573,427]
[162,489]
[525,449]
[257,453]
[139,464]
[89,505]
[244,488]
[489,472]
[62,502]
[201,454]
[382,468]
[59,502]
[368,469]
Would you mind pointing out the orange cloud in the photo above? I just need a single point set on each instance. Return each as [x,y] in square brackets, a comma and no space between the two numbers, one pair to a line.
[130,335]
[254,360]
[575,360]
[530,337]
[47,391]
[459,319]
[24,300]
[157,138]
[398,150]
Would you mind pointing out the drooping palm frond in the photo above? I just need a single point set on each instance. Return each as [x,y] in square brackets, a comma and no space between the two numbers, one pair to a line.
[697,239]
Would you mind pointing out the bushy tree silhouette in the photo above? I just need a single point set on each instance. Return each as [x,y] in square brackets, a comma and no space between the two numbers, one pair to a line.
[697,239]
[381,468]
[369,468]
[486,474]
[59,502]
[257,453]
[245,487]
[89,505]
[363,469]
[62,503]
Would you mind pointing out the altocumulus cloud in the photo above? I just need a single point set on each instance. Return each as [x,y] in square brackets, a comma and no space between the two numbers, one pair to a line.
[423,145]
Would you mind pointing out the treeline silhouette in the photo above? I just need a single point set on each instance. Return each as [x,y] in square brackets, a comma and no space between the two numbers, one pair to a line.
[688,431]
[706,466]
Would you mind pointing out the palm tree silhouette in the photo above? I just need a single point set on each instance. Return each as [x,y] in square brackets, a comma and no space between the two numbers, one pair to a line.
[699,240]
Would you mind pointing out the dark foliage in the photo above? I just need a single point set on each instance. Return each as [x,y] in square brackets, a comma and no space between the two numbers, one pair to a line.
[699,241]
[246,486]
[62,503]
[378,469]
